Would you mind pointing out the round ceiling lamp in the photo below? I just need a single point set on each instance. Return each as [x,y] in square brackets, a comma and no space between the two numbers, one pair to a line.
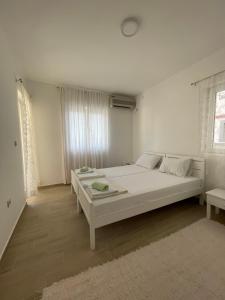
[130,26]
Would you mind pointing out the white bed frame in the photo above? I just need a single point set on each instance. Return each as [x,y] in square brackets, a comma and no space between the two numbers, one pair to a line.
[96,221]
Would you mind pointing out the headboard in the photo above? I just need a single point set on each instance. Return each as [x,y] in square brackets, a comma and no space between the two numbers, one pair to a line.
[155,153]
[198,165]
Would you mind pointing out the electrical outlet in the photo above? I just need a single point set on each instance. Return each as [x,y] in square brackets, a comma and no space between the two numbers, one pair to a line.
[9,202]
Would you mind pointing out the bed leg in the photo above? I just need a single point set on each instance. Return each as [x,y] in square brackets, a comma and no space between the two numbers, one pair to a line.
[79,208]
[92,238]
[72,189]
[202,199]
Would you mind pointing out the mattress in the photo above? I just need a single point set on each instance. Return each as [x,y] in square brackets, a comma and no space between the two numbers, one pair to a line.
[154,181]
[123,171]
[144,188]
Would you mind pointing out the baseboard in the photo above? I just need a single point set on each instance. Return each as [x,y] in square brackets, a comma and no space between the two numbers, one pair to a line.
[41,187]
[21,211]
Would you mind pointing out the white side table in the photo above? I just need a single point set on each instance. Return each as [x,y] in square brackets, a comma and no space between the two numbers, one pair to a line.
[216,198]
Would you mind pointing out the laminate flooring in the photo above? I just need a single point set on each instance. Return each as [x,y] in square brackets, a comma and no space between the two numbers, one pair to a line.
[51,241]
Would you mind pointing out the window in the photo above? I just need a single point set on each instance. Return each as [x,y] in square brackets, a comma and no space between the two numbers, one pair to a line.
[219,120]
[212,113]
[88,130]
[85,119]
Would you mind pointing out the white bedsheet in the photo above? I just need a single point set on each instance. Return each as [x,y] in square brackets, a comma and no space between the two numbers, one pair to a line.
[123,171]
[144,188]
[153,181]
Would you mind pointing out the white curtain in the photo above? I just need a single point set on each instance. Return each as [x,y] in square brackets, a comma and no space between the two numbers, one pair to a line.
[85,116]
[27,138]
[207,96]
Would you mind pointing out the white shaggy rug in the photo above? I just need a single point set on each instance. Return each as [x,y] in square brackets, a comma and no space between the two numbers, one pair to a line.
[187,265]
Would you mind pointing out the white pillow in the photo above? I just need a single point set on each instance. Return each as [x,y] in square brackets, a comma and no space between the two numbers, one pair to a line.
[148,161]
[176,166]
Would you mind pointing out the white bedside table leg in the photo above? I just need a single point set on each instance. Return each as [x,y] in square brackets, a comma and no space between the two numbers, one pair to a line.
[208,211]
[217,210]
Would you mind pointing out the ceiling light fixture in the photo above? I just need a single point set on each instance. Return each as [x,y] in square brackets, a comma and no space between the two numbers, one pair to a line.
[130,26]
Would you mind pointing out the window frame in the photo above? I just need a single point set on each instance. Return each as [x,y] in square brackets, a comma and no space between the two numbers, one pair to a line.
[217,145]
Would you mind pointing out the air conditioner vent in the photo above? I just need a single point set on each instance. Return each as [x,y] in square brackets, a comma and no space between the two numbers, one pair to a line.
[122,101]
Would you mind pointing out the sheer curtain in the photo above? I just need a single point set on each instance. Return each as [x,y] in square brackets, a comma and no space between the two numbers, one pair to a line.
[207,96]
[27,138]
[85,116]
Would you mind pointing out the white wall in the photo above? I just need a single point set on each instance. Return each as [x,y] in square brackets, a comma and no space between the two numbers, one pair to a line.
[11,170]
[168,119]
[47,123]
[121,133]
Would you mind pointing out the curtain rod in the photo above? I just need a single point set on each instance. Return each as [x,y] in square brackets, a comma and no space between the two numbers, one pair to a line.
[196,82]
[81,88]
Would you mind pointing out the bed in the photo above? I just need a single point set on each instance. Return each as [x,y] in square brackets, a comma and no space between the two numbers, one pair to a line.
[147,190]
[112,172]
[129,169]
[123,171]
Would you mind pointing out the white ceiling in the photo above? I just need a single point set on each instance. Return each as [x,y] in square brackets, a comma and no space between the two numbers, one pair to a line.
[79,41]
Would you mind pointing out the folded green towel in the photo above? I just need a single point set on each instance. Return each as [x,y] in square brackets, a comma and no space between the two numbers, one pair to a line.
[84,169]
[100,186]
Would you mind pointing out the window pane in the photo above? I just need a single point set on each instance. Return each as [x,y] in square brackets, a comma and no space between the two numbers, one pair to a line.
[219,127]
[98,126]
[86,131]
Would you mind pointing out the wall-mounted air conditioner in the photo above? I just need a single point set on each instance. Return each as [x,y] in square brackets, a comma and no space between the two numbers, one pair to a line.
[122,101]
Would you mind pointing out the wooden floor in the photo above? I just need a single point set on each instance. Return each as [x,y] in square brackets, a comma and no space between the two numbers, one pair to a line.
[51,241]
